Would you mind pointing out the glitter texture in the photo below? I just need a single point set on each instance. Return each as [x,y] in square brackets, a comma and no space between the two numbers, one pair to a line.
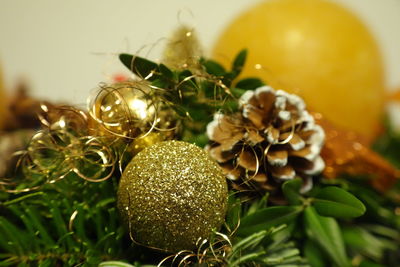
[171,195]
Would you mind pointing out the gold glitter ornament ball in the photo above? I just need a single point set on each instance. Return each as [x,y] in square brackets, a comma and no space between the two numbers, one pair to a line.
[171,195]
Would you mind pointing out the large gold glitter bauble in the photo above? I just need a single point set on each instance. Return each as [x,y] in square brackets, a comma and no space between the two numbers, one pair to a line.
[130,109]
[171,195]
[316,49]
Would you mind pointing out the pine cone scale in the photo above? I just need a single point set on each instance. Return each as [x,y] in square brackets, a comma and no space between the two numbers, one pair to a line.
[284,172]
[248,160]
[277,157]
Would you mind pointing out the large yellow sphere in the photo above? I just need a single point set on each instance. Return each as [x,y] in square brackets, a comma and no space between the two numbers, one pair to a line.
[314,48]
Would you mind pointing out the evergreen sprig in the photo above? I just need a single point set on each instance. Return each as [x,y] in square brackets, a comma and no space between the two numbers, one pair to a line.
[341,222]
[67,223]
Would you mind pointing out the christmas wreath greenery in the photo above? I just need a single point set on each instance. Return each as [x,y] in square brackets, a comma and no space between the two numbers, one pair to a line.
[64,204]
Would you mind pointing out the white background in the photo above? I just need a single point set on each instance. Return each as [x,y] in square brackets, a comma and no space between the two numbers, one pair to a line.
[63,49]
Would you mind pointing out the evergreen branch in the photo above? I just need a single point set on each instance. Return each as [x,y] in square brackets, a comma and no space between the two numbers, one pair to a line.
[7,203]
[36,227]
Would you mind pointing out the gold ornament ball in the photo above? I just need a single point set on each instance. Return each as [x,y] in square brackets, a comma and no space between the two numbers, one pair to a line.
[171,195]
[141,143]
[130,109]
[316,49]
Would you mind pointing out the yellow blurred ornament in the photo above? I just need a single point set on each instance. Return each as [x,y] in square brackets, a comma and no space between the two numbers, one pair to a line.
[130,110]
[316,49]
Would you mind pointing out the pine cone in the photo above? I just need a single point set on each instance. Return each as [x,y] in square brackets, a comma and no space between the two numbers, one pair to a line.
[272,139]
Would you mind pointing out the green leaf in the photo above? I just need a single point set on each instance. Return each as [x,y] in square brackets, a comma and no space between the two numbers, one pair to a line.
[283,257]
[200,140]
[13,201]
[258,205]
[383,231]
[9,232]
[266,218]
[249,241]
[59,221]
[34,217]
[249,83]
[237,92]
[79,223]
[166,72]
[184,74]
[365,243]
[140,66]
[367,263]
[326,232]
[234,212]
[248,258]
[280,235]
[291,190]
[313,254]
[336,202]
[213,67]
[376,205]
[115,264]
[180,111]
[238,63]
[30,229]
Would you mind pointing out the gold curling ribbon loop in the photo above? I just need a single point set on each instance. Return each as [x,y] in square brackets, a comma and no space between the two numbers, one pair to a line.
[209,252]
[97,162]
[292,130]
[59,149]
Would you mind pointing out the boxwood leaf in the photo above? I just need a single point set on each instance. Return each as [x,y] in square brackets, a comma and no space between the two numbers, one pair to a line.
[367,244]
[115,264]
[326,233]
[238,63]
[264,219]
[166,71]
[314,254]
[234,212]
[213,67]
[258,205]
[249,83]
[184,74]
[375,204]
[336,202]
[291,190]
[140,66]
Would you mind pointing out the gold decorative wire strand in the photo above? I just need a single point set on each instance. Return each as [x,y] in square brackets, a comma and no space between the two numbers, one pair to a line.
[72,220]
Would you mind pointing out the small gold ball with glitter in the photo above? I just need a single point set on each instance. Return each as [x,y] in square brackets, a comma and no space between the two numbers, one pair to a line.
[171,195]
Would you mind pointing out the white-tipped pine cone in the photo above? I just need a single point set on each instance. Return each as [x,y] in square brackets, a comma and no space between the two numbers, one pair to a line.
[272,139]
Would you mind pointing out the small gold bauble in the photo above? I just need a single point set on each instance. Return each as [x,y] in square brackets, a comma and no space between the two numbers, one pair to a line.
[141,143]
[171,195]
[130,109]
